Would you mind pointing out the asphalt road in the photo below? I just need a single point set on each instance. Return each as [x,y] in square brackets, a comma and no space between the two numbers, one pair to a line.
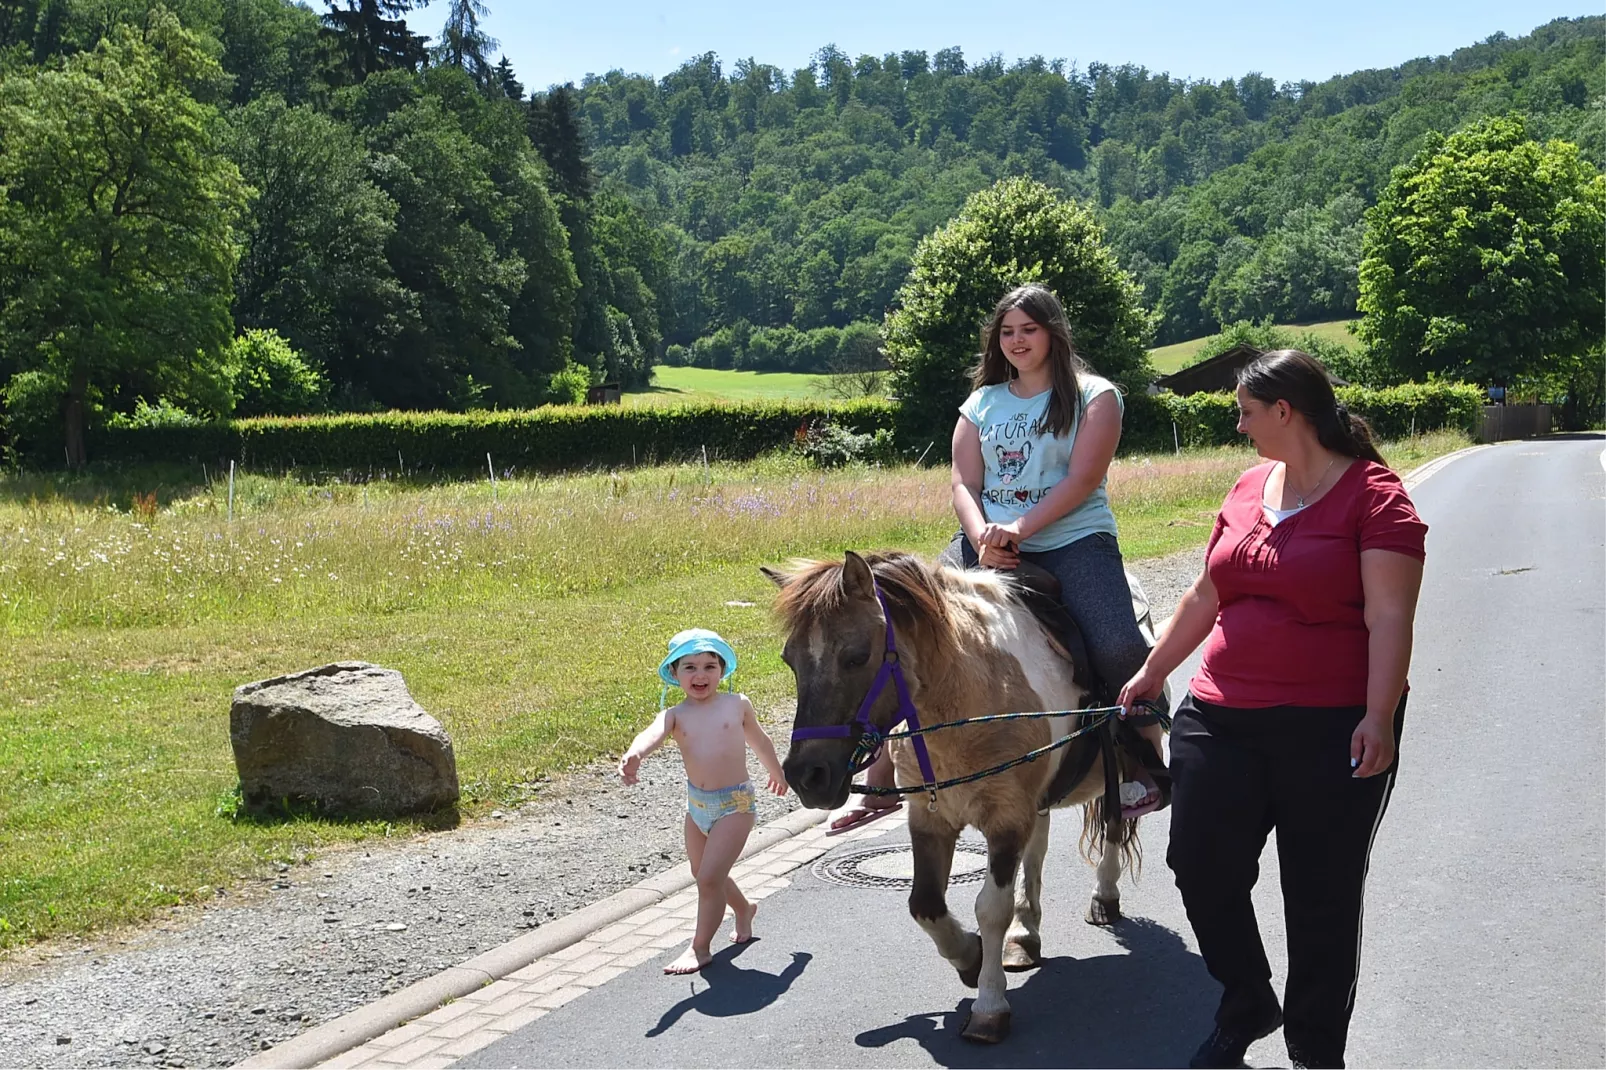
[1486,910]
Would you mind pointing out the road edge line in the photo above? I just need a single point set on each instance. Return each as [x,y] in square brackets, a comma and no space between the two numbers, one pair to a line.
[1419,475]
[356,1028]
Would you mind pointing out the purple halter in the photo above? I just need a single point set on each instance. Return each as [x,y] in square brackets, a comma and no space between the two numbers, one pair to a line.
[871,738]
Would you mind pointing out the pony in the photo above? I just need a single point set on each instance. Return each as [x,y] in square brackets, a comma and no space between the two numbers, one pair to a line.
[969,643]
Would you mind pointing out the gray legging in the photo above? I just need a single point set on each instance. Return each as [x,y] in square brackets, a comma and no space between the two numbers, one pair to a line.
[1094,589]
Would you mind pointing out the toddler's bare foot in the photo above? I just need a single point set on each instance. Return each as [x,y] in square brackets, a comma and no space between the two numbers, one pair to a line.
[691,960]
[743,932]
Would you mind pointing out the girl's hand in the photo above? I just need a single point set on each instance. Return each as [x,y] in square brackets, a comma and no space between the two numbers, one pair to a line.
[1371,748]
[629,765]
[1000,535]
[1000,557]
[1143,686]
[777,784]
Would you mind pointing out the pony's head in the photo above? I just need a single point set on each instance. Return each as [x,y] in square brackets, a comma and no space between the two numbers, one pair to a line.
[835,645]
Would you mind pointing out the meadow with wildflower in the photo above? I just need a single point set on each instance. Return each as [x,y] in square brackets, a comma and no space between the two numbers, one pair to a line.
[525,616]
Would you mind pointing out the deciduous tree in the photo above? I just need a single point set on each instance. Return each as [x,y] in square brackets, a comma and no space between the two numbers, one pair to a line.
[1483,258]
[313,265]
[117,223]
[1015,232]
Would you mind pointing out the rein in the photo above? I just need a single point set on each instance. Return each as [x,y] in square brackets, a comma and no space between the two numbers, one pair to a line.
[871,739]
[1104,715]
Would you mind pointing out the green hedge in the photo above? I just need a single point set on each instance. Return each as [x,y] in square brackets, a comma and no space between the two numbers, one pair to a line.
[543,439]
[1395,411]
[1212,419]
[559,438]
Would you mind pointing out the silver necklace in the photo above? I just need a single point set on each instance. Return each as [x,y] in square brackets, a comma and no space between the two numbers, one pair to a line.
[1299,499]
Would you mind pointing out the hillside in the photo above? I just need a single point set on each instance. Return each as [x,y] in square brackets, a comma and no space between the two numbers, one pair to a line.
[796,198]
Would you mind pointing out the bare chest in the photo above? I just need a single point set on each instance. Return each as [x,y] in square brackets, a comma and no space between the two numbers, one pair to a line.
[707,730]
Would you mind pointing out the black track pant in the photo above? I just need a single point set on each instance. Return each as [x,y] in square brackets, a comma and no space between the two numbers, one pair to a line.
[1238,774]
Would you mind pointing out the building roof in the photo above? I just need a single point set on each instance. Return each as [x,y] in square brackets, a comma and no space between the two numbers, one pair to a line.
[1219,373]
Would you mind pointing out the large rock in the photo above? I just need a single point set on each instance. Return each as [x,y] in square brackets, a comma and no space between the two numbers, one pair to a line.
[347,736]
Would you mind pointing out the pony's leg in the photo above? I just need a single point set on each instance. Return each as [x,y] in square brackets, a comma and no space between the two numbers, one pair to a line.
[1023,946]
[1105,909]
[995,906]
[928,899]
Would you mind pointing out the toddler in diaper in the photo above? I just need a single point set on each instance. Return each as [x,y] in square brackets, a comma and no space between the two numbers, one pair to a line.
[713,729]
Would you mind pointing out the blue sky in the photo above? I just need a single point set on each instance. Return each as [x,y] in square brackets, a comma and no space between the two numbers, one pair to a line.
[551,42]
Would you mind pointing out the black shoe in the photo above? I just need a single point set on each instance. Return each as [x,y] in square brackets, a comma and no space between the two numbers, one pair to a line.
[1303,1059]
[1226,1048]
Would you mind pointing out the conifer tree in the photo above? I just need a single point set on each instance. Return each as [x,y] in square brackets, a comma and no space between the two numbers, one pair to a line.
[555,129]
[374,37]
[512,88]
[462,42]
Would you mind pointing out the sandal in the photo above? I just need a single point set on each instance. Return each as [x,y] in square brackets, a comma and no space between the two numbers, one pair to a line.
[859,816]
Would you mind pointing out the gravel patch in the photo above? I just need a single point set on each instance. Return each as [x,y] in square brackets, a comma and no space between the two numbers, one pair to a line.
[209,985]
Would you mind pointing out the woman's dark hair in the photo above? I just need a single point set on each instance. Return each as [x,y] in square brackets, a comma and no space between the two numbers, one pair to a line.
[1301,380]
[1045,310]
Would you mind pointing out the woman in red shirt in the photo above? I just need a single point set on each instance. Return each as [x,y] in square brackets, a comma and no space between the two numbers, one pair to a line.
[1305,606]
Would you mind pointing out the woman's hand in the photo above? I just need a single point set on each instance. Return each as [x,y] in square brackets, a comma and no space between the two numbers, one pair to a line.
[1371,748]
[1001,535]
[1146,685]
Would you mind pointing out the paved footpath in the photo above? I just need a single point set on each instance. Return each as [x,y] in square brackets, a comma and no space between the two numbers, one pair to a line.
[1486,907]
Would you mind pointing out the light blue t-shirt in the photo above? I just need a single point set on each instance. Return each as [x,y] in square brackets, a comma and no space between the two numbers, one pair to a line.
[1024,462]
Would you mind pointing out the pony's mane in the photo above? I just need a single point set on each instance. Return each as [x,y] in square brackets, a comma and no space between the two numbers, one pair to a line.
[916,594]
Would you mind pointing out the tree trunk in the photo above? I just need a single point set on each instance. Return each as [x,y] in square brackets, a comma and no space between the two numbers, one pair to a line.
[73,409]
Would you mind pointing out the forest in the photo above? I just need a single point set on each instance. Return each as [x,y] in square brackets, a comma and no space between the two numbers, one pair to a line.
[242,207]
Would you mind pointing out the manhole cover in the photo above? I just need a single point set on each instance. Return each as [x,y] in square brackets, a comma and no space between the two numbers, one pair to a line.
[894,867]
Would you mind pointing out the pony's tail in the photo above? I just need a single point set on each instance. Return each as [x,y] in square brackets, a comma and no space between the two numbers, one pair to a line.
[1094,843]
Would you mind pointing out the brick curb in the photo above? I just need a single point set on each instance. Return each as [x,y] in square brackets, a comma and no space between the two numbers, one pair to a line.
[364,1024]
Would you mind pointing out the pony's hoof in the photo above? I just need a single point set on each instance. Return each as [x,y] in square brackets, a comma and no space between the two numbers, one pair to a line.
[1024,954]
[970,977]
[1103,911]
[986,1028]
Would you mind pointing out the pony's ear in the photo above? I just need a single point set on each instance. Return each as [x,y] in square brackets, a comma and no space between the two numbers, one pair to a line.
[857,579]
[774,575]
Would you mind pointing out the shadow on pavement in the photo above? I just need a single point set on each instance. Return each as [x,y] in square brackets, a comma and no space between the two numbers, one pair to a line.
[1150,1008]
[732,990]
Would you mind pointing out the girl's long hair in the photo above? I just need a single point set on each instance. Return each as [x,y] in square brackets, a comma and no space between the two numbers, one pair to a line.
[1301,380]
[1045,310]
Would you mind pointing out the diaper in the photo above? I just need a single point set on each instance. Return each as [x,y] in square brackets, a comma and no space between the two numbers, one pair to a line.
[707,807]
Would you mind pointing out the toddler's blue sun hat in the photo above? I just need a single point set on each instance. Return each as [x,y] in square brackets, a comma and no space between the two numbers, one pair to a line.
[696,641]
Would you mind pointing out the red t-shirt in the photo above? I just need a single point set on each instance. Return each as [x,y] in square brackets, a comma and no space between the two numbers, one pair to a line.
[1290,630]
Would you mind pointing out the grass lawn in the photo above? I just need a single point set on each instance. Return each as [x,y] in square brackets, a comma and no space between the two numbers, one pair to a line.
[673,386]
[530,626]
[1172,358]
